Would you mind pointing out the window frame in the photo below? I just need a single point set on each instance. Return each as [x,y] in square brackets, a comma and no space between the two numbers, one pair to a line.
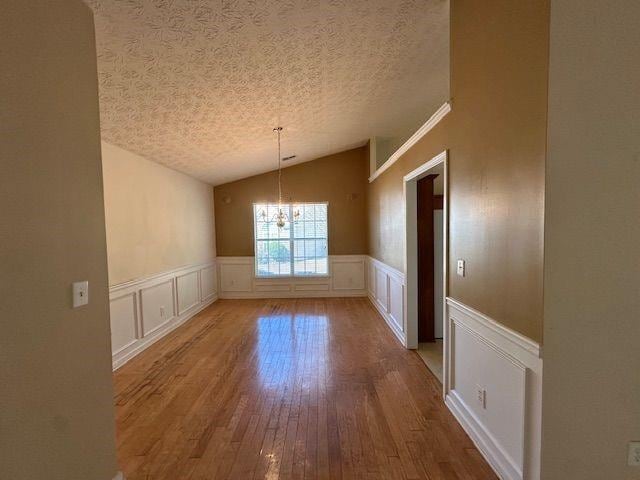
[291,240]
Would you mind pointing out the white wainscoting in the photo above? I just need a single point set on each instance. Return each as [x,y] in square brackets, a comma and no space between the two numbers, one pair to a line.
[485,355]
[146,309]
[481,354]
[386,290]
[346,279]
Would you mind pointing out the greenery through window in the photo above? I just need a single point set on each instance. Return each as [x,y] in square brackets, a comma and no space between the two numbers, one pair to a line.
[299,248]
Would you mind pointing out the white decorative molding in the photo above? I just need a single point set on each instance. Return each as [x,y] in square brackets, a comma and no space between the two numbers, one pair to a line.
[144,310]
[188,291]
[208,282]
[483,354]
[157,305]
[386,287]
[518,340]
[421,132]
[346,278]
[410,200]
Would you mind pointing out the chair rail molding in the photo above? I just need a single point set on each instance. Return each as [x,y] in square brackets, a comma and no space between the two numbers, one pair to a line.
[494,389]
[346,278]
[144,310]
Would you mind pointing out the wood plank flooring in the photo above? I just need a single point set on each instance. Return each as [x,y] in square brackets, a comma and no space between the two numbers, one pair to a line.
[287,389]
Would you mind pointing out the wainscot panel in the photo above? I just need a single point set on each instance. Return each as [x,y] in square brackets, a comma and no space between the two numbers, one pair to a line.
[386,290]
[346,278]
[494,387]
[493,376]
[146,309]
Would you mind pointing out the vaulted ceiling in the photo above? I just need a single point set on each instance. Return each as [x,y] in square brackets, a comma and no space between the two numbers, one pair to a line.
[198,85]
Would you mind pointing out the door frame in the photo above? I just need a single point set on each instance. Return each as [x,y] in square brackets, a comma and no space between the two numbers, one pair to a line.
[411,252]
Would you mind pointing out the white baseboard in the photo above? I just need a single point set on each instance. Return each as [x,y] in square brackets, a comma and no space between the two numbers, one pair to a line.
[485,355]
[397,331]
[143,311]
[385,289]
[482,439]
[346,278]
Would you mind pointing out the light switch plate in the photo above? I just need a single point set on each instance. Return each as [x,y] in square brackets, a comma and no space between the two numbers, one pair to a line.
[460,269]
[634,454]
[80,293]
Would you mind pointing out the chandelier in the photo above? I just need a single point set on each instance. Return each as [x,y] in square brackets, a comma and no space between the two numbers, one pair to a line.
[281,217]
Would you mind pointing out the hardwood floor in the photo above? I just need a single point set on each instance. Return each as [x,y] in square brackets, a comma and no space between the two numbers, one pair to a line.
[306,388]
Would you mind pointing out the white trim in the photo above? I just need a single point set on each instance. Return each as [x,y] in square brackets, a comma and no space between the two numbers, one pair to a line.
[135,289]
[159,276]
[411,252]
[518,357]
[482,439]
[391,307]
[372,155]
[134,348]
[388,269]
[421,132]
[518,340]
[388,319]
[119,476]
[236,279]
[425,167]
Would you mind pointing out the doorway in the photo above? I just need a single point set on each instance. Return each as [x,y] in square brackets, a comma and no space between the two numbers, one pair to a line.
[426,246]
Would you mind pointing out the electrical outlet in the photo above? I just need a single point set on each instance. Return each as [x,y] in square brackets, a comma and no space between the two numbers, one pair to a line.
[634,454]
[481,397]
[461,268]
[161,312]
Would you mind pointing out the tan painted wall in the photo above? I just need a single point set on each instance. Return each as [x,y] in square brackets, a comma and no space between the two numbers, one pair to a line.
[591,389]
[330,178]
[157,219]
[496,139]
[56,393]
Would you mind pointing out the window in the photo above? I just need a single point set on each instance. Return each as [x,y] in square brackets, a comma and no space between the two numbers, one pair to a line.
[297,249]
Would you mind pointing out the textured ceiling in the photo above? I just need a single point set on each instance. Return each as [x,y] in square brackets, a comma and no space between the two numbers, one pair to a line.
[198,85]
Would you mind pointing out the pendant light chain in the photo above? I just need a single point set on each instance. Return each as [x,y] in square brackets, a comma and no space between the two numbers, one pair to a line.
[279,130]
[281,218]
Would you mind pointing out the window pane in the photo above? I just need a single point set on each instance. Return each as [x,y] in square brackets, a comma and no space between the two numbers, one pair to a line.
[321,257]
[321,211]
[281,257]
[310,240]
[301,241]
[321,229]
[273,245]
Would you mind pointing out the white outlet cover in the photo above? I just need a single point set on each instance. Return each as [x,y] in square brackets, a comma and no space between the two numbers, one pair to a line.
[80,293]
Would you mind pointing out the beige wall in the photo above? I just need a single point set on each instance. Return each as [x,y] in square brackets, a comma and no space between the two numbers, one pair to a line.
[333,178]
[496,139]
[591,390]
[157,219]
[56,395]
